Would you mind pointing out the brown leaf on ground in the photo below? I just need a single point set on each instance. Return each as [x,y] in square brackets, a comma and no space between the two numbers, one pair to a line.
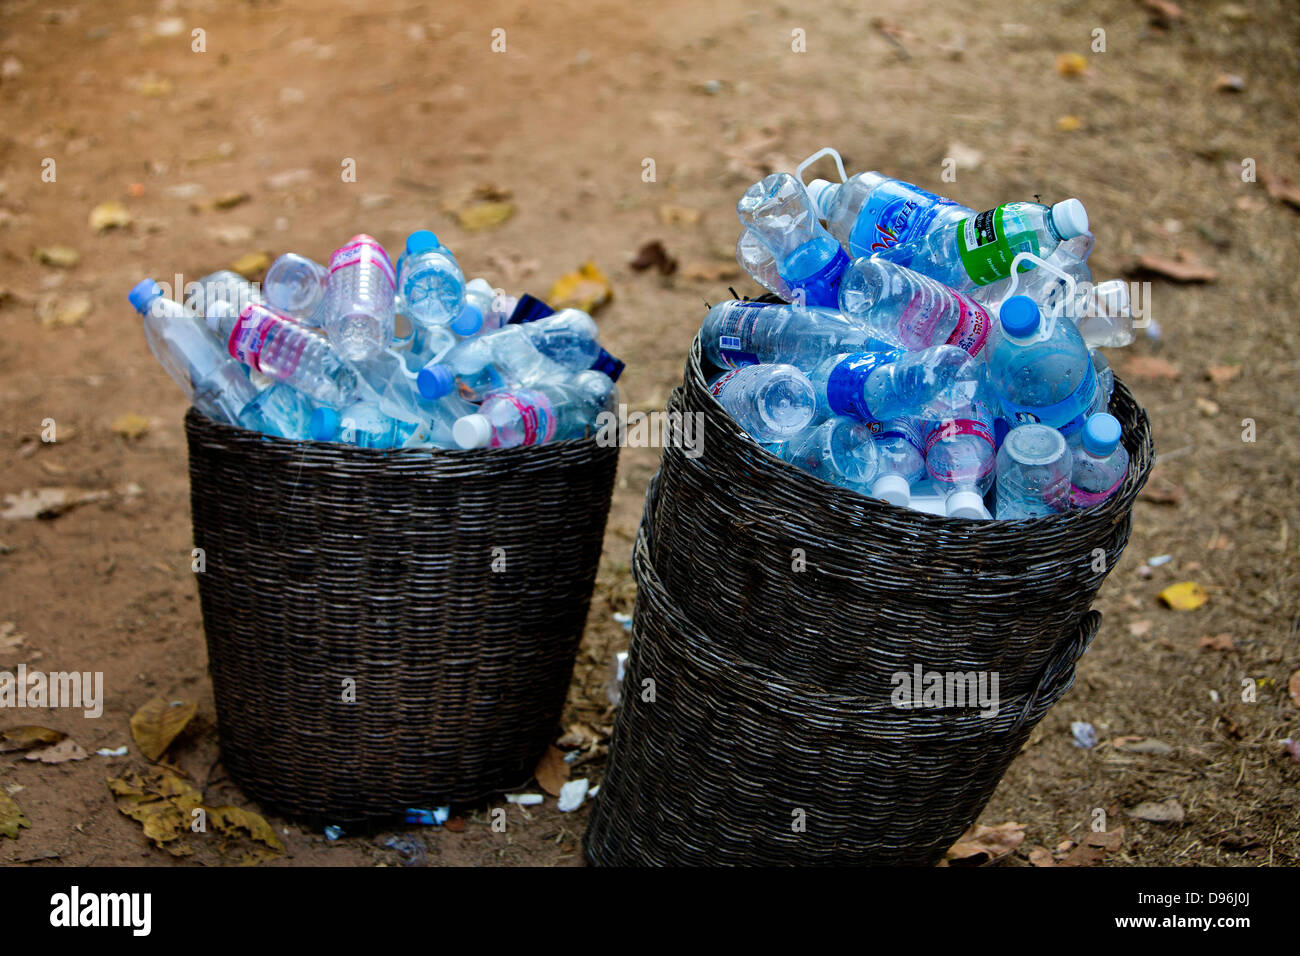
[1222,374]
[1229,83]
[1218,642]
[1281,188]
[1165,811]
[484,215]
[586,289]
[1163,12]
[1151,368]
[61,311]
[653,255]
[721,272]
[1041,856]
[1293,685]
[1185,268]
[552,772]
[65,750]
[671,215]
[48,502]
[59,257]
[251,265]
[130,425]
[27,737]
[157,724]
[454,825]
[109,215]
[982,844]
[1162,491]
[11,817]
[1142,745]
[1094,848]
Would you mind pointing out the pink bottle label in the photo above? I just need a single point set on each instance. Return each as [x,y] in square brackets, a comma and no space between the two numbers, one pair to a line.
[972,329]
[363,250]
[1086,499]
[248,338]
[535,413]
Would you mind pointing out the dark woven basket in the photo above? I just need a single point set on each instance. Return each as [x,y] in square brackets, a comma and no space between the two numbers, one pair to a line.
[449,588]
[774,611]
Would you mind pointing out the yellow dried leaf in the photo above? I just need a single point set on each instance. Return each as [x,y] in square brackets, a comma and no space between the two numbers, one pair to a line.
[157,723]
[234,822]
[11,817]
[484,215]
[56,311]
[1068,124]
[252,265]
[552,772]
[1071,64]
[27,737]
[109,215]
[671,215]
[587,289]
[984,844]
[130,425]
[1184,596]
[60,257]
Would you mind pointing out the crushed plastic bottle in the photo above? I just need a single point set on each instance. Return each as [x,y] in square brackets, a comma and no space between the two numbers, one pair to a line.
[781,215]
[839,450]
[737,333]
[909,310]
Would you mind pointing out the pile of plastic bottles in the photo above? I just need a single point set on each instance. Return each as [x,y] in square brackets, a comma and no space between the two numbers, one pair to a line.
[926,354]
[367,353]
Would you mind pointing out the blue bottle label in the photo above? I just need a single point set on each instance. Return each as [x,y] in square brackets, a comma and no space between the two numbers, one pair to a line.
[1066,415]
[896,213]
[736,333]
[898,428]
[845,384]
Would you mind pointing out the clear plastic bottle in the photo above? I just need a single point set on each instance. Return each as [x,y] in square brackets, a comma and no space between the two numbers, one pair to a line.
[285,409]
[296,286]
[1052,380]
[439,417]
[979,250]
[599,388]
[756,259]
[839,450]
[479,298]
[1043,285]
[361,424]
[1100,465]
[909,310]
[960,456]
[870,212]
[389,384]
[527,416]
[280,348]
[878,386]
[1107,319]
[1033,473]
[223,291]
[737,333]
[780,214]
[770,402]
[216,384]
[360,296]
[431,280]
[902,462]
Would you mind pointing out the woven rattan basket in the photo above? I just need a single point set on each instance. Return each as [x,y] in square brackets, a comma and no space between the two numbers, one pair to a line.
[444,592]
[774,611]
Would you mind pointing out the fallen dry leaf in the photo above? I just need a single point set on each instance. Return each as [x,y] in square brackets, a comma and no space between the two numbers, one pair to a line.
[11,817]
[1139,628]
[47,502]
[1163,12]
[1094,848]
[65,750]
[28,737]
[1142,745]
[984,844]
[653,255]
[60,257]
[251,265]
[60,311]
[249,826]
[1293,685]
[484,215]
[10,639]
[1151,368]
[1222,374]
[1161,491]
[1280,188]
[130,425]
[1185,268]
[1068,123]
[109,215]
[1218,642]
[1071,64]
[454,825]
[720,272]
[586,289]
[1166,811]
[552,772]
[1229,83]
[157,723]
[671,215]
[1184,596]
[1041,856]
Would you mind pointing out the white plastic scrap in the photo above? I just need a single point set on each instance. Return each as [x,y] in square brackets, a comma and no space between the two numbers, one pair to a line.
[572,795]
[1160,559]
[1085,735]
[624,619]
[525,799]
[105,752]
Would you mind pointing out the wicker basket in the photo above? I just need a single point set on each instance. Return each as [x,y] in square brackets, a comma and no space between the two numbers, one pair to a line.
[445,591]
[773,612]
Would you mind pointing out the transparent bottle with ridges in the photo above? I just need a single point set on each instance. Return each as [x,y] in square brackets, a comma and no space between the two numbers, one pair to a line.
[871,212]
[756,259]
[781,215]
[361,424]
[737,333]
[908,310]
[960,457]
[279,347]
[1033,473]
[902,462]
[222,291]
[839,450]
[431,280]
[528,416]
[1100,463]
[286,410]
[878,386]
[771,403]
[297,286]
[979,250]
[360,295]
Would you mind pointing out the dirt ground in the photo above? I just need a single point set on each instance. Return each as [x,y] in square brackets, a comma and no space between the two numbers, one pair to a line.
[284,95]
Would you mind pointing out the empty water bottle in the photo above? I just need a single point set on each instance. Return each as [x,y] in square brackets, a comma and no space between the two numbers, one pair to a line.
[432,283]
[780,214]
[839,450]
[878,386]
[222,291]
[360,298]
[285,409]
[1033,473]
[979,250]
[902,462]
[527,416]
[756,259]
[960,456]
[280,348]
[909,310]
[478,306]
[770,402]
[599,389]
[1100,465]
[216,384]
[296,286]
[1107,320]
[870,212]
[737,333]
[386,381]
[1049,380]
[361,424]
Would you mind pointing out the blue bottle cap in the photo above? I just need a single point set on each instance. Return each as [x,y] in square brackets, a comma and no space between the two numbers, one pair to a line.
[324,424]
[529,309]
[422,240]
[145,292]
[1101,434]
[434,381]
[1019,316]
[609,365]
[469,321]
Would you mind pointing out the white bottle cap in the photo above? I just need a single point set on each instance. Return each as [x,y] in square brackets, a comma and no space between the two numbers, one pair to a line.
[966,504]
[479,284]
[472,431]
[821,192]
[892,488]
[1070,218]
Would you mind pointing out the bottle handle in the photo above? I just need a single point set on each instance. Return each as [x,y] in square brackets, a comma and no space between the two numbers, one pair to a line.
[1050,325]
[824,151]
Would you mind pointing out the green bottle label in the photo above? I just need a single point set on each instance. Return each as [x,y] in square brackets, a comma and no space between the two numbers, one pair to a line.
[987,250]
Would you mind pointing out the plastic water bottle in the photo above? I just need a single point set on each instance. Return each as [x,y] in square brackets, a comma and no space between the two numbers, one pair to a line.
[979,250]
[439,417]
[839,450]
[389,384]
[296,286]
[780,214]
[527,416]
[1033,473]
[222,291]
[216,384]
[1045,286]
[902,462]
[756,259]
[870,212]
[281,349]
[878,386]
[770,402]
[909,310]
[599,388]
[737,333]
[1107,319]
[360,298]
[428,344]
[1052,380]
[285,409]
[960,457]
[496,306]
[361,424]
[1100,465]
[478,306]
[431,280]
